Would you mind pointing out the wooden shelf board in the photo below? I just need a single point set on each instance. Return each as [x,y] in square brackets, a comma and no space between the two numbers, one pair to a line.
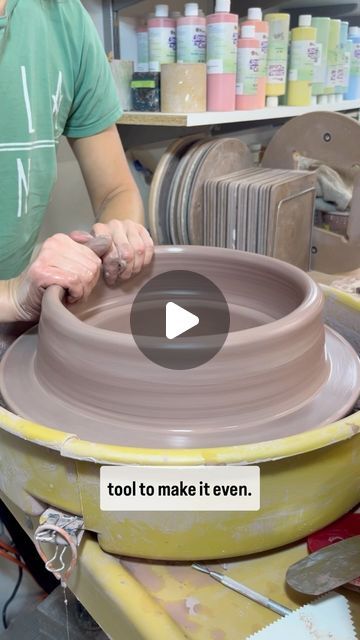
[212,117]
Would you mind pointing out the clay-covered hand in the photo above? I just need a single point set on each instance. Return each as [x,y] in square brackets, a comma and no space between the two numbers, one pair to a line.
[60,261]
[131,248]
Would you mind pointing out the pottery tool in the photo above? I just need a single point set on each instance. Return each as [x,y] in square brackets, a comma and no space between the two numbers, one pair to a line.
[244,591]
[346,527]
[328,618]
[326,569]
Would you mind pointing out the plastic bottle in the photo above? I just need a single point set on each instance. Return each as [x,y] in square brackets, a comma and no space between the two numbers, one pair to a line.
[333,58]
[340,88]
[222,36]
[303,55]
[191,35]
[248,68]
[353,92]
[162,38]
[254,17]
[142,44]
[347,64]
[277,56]
[322,26]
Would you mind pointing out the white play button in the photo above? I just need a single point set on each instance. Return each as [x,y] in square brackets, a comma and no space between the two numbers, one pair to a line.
[178,320]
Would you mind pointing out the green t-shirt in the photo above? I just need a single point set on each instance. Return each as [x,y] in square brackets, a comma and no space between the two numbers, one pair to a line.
[54,80]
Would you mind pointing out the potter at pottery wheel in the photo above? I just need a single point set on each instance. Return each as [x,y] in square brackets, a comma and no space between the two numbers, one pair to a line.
[279,373]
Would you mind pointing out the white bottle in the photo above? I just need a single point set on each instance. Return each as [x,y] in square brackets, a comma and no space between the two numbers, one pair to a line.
[191,35]
[162,38]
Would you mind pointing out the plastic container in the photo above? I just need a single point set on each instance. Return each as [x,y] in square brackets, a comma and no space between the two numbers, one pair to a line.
[277,55]
[303,56]
[162,38]
[254,18]
[248,69]
[191,35]
[341,85]
[322,26]
[142,44]
[347,65]
[353,92]
[333,57]
[222,36]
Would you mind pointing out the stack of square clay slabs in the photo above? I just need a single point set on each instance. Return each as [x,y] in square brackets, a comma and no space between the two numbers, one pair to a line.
[176,194]
[266,211]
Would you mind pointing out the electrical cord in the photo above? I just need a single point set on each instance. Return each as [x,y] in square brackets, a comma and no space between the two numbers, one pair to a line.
[11,598]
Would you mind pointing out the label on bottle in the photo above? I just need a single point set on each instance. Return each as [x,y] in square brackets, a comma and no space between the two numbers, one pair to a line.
[347,62]
[248,71]
[320,66]
[162,47]
[355,59]
[332,68]
[277,52]
[191,43]
[142,41]
[263,38]
[303,56]
[221,47]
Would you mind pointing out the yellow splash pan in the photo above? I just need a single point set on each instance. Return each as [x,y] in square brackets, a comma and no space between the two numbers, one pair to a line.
[307,481]
[140,600]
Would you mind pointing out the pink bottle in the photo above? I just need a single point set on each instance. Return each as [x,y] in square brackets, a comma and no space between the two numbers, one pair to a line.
[222,34]
[254,18]
[248,67]
[162,38]
[191,35]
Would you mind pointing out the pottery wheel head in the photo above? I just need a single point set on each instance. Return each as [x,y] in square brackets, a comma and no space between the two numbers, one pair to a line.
[279,371]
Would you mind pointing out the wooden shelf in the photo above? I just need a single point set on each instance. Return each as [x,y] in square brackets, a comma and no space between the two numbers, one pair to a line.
[160,119]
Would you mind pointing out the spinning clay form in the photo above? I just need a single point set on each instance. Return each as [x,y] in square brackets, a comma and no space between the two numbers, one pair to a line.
[280,371]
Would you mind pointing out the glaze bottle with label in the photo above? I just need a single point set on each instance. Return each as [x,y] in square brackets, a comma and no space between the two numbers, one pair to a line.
[142,45]
[162,38]
[248,69]
[277,56]
[322,26]
[353,92]
[332,59]
[341,84]
[221,54]
[303,57]
[191,35]
[254,18]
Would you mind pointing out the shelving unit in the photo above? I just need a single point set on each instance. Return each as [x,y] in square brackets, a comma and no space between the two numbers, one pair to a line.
[213,118]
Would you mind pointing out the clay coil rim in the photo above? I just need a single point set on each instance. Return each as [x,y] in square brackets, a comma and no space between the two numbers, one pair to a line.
[306,312]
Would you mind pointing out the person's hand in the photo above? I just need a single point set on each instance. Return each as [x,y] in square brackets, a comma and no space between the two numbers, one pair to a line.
[60,261]
[131,248]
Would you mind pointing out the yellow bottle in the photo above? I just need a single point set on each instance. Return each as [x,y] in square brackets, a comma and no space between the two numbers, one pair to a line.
[303,57]
[277,56]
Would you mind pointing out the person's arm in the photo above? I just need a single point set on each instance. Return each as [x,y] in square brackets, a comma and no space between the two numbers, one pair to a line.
[116,202]
[61,261]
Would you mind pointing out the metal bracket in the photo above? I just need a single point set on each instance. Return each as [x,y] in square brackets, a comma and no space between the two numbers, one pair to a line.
[63,531]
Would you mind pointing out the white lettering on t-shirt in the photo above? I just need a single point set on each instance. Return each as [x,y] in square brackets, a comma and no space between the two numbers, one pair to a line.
[27,99]
[57,99]
[23,186]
